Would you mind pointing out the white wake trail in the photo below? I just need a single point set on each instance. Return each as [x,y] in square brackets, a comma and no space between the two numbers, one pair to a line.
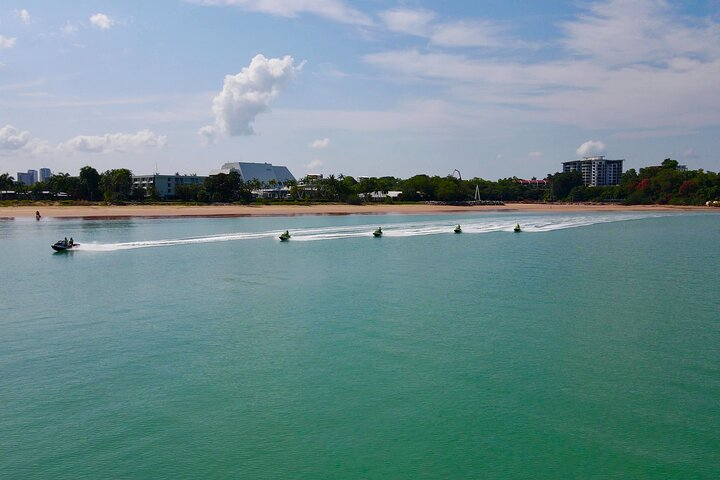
[472,225]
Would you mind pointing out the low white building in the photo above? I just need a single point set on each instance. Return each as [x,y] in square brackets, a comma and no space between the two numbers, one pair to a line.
[164,185]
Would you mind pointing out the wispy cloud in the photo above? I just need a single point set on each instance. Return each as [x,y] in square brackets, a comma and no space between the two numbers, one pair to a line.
[690,154]
[320,143]
[627,32]
[335,10]
[68,29]
[114,142]
[623,64]
[23,85]
[314,164]
[7,42]
[24,16]
[408,21]
[462,33]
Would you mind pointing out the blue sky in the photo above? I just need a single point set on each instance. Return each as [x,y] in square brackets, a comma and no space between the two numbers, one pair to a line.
[491,88]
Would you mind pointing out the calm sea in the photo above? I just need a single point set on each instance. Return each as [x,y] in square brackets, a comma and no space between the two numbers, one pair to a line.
[587,346]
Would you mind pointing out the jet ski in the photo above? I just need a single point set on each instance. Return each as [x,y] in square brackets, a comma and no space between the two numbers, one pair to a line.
[64,245]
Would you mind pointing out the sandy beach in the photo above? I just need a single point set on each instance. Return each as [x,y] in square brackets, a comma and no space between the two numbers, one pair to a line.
[157,211]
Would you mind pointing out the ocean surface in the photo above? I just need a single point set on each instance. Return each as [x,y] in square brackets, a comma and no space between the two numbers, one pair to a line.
[587,346]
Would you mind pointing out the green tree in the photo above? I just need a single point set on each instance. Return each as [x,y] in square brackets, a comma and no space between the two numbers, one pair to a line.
[6,183]
[89,183]
[116,185]
[669,164]
[563,183]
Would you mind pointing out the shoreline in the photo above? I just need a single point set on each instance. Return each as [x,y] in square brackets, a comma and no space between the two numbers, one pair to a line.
[103,212]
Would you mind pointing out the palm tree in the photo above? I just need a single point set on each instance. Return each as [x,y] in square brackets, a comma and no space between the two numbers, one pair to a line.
[6,183]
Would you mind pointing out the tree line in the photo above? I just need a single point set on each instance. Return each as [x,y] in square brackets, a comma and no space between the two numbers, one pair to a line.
[663,184]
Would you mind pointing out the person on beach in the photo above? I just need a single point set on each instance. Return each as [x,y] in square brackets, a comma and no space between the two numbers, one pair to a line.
[37,214]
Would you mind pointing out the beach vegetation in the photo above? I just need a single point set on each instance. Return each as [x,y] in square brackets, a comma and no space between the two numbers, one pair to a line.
[116,184]
[666,183]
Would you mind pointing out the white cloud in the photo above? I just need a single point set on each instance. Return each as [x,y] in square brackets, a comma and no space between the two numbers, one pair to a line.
[7,42]
[37,146]
[246,95]
[209,134]
[23,15]
[115,142]
[468,34]
[336,10]
[15,141]
[320,143]
[314,164]
[68,29]
[102,21]
[411,22]
[591,148]
[429,116]
[690,154]
[535,154]
[644,67]
[621,32]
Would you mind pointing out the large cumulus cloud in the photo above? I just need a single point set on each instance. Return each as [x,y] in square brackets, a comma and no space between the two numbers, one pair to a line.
[248,94]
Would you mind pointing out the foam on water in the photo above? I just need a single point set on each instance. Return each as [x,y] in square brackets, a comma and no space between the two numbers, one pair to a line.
[476,225]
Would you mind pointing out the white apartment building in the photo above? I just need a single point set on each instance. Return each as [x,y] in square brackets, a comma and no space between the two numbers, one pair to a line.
[596,171]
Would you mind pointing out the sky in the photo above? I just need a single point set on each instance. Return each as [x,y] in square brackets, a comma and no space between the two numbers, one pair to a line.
[491,88]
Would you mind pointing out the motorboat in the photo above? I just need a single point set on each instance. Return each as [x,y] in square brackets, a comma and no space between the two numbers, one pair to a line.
[378,232]
[458,229]
[64,245]
[284,237]
[517,228]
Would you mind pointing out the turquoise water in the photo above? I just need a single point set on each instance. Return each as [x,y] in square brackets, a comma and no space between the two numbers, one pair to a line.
[587,346]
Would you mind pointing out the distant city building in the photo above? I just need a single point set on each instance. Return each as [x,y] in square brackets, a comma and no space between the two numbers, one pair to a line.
[164,185]
[45,174]
[596,171]
[265,173]
[29,178]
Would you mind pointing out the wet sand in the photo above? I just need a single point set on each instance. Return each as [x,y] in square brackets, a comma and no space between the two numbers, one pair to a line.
[160,211]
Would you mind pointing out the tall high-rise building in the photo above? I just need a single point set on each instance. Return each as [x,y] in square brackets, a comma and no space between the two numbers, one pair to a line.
[45,173]
[29,178]
[596,171]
